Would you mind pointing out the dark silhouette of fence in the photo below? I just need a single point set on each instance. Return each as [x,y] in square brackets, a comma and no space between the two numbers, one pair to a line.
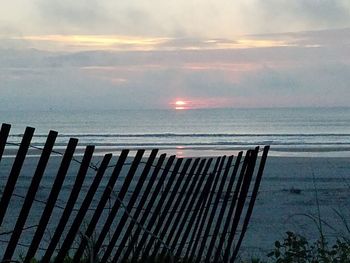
[147,207]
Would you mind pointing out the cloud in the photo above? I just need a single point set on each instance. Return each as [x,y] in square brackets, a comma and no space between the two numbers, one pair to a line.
[312,71]
[176,19]
[273,16]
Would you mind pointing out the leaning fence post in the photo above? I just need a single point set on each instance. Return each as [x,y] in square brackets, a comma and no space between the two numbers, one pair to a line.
[51,201]
[82,210]
[101,204]
[70,203]
[215,208]
[197,215]
[191,203]
[118,200]
[130,205]
[193,178]
[140,207]
[241,201]
[15,171]
[233,201]
[206,208]
[33,188]
[171,200]
[252,201]
[157,210]
[167,229]
[148,208]
[223,206]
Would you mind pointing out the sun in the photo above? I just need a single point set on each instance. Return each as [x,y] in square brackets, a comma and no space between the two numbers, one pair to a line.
[180,105]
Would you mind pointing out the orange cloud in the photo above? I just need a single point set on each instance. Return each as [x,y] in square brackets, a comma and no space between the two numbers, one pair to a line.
[139,43]
[97,41]
[239,67]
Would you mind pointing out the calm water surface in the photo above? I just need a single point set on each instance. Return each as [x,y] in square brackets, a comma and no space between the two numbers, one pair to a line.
[291,132]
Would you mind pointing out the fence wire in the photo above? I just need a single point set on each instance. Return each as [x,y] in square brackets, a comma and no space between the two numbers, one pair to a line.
[95,167]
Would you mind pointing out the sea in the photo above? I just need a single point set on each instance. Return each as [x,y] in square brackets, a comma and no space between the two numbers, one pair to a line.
[310,132]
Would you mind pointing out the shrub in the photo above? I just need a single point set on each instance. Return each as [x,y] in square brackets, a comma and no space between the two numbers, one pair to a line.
[296,248]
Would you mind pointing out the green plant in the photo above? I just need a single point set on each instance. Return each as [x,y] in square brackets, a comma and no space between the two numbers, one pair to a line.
[296,248]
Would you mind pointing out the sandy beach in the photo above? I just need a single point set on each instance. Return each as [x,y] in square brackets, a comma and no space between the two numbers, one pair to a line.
[287,198]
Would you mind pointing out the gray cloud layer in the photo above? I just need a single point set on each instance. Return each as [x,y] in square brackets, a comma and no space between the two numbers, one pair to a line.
[314,72]
[197,18]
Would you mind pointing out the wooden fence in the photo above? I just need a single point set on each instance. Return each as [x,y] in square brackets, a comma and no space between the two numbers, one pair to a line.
[130,208]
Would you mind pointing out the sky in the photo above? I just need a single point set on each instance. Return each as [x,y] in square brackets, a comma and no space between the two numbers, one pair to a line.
[145,54]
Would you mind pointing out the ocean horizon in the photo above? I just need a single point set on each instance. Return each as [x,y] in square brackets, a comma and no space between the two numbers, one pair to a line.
[299,132]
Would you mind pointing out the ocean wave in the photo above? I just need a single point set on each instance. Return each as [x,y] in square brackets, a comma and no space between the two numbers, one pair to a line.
[206,143]
[162,135]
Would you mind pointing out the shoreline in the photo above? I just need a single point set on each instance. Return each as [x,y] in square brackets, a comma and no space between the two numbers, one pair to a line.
[193,152]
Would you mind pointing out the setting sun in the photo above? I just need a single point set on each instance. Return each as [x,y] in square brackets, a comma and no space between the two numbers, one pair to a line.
[180,105]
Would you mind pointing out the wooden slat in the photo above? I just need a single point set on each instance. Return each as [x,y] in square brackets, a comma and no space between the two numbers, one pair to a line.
[215,208]
[197,214]
[193,198]
[171,199]
[197,205]
[28,201]
[206,209]
[187,196]
[51,201]
[164,204]
[157,210]
[147,212]
[68,241]
[4,133]
[101,204]
[240,203]
[232,206]
[130,205]
[118,200]
[15,171]
[252,202]
[84,166]
[223,207]
[140,207]
[181,195]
